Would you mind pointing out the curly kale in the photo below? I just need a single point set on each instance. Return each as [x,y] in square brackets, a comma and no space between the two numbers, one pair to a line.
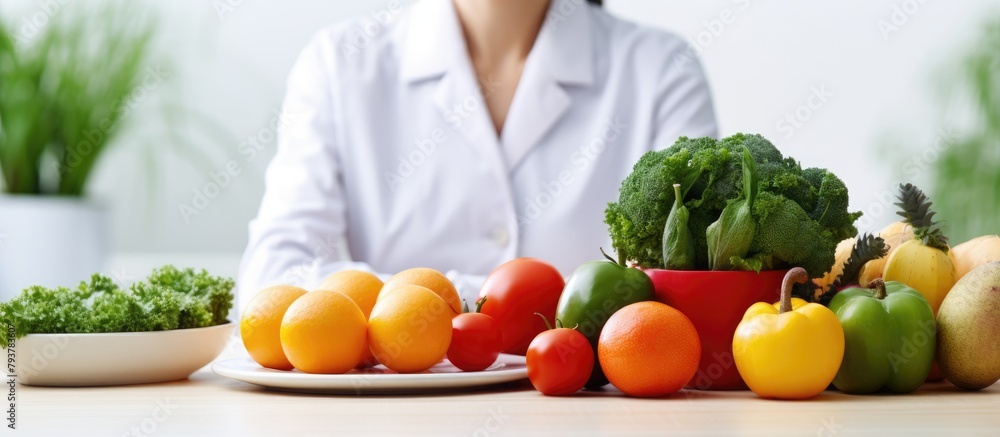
[801,213]
[169,298]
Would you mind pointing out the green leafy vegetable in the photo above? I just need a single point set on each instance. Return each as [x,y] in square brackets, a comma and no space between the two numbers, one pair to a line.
[169,298]
[729,238]
[800,214]
[678,248]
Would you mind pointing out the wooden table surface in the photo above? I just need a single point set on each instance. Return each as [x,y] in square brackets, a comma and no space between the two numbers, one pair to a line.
[208,404]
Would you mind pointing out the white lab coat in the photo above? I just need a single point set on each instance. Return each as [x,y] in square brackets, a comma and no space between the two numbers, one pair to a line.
[388,158]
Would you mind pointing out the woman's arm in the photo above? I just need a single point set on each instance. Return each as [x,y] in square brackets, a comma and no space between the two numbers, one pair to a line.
[300,234]
[684,101]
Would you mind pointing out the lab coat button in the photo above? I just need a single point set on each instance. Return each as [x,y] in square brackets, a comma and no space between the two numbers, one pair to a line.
[500,236]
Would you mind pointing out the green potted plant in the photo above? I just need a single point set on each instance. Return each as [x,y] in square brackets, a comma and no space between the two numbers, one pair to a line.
[966,175]
[63,95]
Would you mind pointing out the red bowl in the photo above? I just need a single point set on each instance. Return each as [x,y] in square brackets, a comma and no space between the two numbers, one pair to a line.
[715,301]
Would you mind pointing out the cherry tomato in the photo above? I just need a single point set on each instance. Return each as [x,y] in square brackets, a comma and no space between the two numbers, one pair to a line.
[560,361]
[475,340]
[517,290]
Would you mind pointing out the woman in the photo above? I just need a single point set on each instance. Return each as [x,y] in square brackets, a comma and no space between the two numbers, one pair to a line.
[464,134]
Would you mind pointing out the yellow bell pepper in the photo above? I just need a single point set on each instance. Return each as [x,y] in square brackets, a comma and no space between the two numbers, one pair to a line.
[789,350]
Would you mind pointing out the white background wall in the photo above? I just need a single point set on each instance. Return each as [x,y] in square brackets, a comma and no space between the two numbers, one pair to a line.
[764,60]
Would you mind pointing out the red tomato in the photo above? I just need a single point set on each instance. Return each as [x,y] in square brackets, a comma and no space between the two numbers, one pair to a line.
[475,341]
[517,290]
[560,361]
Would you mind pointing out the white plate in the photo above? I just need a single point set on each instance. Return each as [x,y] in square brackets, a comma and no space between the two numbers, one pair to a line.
[117,358]
[378,379]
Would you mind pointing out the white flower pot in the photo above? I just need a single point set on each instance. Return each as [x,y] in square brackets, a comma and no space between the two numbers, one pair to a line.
[49,241]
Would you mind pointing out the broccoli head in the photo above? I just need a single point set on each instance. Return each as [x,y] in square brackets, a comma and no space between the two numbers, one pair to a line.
[807,207]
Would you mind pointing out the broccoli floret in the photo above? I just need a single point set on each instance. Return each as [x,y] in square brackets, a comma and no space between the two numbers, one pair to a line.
[787,236]
[710,177]
[761,149]
[831,207]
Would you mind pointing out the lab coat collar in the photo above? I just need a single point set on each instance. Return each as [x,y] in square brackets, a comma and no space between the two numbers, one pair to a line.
[561,56]
[434,42]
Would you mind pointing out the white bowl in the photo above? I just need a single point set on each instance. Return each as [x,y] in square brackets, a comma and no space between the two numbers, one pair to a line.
[117,358]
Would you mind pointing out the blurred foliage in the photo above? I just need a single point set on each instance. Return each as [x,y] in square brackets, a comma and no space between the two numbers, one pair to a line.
[64,92]
[967,173]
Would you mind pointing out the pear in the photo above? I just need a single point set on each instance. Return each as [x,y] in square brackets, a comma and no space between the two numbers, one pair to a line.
[968,327]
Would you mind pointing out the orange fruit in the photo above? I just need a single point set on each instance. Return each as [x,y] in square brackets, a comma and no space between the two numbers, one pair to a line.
[324,332]
[410,329]
[363,288]
[260,325]
[649,349]
[431,279]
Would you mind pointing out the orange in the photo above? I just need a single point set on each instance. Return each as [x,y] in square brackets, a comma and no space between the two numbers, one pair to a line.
[410,329]
[649,349]
[261,323]
[324,332]
[362,287]
[431,279]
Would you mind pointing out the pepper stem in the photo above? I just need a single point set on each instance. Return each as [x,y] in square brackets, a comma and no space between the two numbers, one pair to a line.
[621,257]
[879,286]
[795,275]
[479,304]
[548,326]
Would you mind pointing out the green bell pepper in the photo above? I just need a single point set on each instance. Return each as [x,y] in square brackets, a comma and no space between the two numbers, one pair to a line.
[595,291]
[889,338]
